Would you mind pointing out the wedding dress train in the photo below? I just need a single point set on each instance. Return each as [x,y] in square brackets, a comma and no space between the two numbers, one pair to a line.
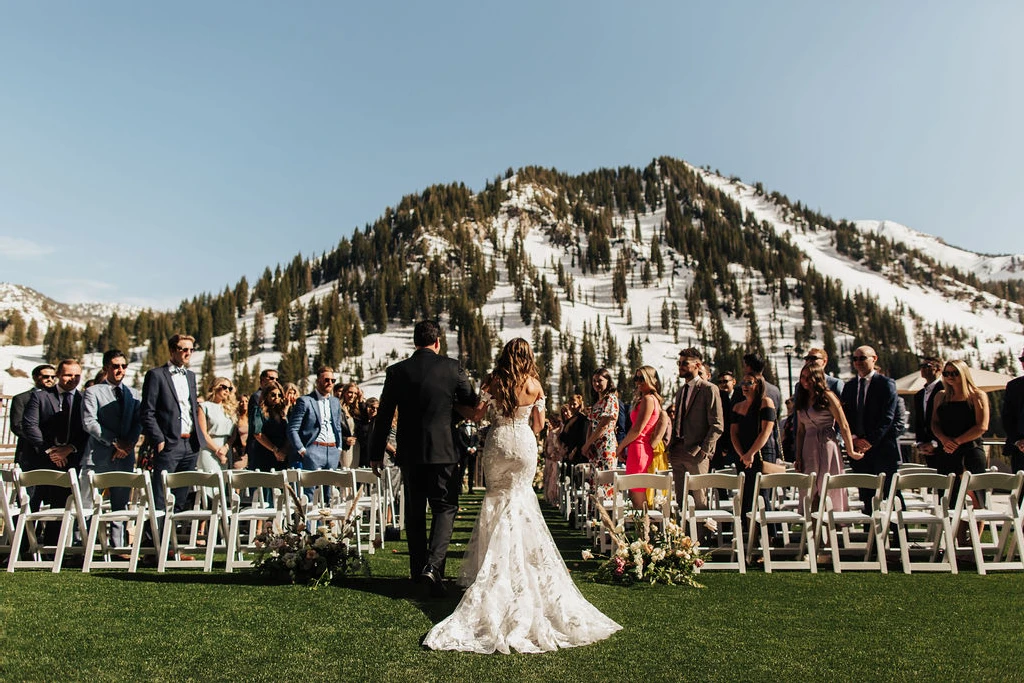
[520,595]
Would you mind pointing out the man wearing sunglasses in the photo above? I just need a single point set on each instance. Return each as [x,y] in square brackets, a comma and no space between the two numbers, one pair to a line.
[1013,420]
[43,376]
[818,358]
[924,402]
[314,425]
[869,402]
[110,415]
[170,419]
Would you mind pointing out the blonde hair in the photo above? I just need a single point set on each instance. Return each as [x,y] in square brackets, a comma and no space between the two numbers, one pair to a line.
[650,376]
[229,404]
[967,386]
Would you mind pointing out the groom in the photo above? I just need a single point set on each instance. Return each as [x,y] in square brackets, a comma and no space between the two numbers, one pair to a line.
[425,389]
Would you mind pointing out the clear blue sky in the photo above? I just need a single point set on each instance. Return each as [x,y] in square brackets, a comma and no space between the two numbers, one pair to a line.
[152,151]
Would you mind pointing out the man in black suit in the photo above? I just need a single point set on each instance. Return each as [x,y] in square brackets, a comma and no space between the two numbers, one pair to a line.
[170,418]
[924,401]
[869,402]
[44,376]
[1013,420]
[425,389]
[53,428]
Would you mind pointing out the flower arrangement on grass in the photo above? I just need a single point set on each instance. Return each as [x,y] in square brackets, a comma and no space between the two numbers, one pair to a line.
[294,555]
[653,555]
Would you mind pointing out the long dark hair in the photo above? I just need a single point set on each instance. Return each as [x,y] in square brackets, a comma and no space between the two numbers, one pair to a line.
[606,373]
[515,365]
[758,395]
[278,412]
[804,399]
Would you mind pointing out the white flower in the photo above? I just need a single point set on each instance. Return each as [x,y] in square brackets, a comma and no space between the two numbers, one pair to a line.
[587,555]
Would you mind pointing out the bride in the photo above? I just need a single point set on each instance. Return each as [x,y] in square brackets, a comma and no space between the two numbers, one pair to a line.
[520,595]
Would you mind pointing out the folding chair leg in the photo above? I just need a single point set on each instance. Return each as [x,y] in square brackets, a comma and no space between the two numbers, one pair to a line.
[90,544]
[232,544]
[63,542]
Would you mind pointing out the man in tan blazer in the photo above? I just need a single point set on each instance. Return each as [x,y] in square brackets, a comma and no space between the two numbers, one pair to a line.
[697,426]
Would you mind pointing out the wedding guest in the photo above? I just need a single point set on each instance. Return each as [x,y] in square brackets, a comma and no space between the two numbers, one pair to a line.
[753,364]
[696,425]
[752,424]
[239,459]
[924,408]
[818,411]
[467,440]
[255,415]
[351,414]
[600,444]
[574,430]
[364,427]
[217,420]
[644,417]
[1013,421]
[724,456]
[959,420]
[43,377]
[819,358]
[291,394]
[315,430]
[554,454]
[660,438]
[271,448]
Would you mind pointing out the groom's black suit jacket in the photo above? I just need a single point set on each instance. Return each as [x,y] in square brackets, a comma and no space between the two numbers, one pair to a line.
[424,389]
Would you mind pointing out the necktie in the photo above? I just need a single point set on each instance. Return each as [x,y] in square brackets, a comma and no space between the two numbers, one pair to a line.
[862,388]
[682,411]
[65,414]
[119,394]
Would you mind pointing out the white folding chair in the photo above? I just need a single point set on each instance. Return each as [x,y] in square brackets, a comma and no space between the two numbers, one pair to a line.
[997,507]
[927,505]
[581,492]
[273,511]
[663,504]
[717,520]
[333,496]
[369,512]
[69,515]
[209,507]
[798,487]
[831,521]
[140,511]
[10,507]
[603,499]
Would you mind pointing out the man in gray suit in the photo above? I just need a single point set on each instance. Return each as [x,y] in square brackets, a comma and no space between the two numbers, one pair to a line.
[698,424]
[110,415]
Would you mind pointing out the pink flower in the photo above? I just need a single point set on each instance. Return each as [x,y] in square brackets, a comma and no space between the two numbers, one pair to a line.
[698,563]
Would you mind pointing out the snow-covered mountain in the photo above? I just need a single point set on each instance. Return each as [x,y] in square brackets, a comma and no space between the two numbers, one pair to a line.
[33,305]
[552,244]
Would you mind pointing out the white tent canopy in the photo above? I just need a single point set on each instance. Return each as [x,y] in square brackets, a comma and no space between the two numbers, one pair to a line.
[986,381]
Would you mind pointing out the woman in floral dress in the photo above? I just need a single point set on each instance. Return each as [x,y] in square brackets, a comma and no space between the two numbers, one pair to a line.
[601,442]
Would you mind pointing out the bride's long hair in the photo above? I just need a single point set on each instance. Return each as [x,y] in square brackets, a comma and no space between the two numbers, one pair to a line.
[515,365]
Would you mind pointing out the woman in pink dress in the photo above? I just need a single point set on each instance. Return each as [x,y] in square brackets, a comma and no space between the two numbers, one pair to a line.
[637,442]
[817,440]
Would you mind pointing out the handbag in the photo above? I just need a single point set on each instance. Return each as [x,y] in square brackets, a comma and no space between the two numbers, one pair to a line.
[145,456]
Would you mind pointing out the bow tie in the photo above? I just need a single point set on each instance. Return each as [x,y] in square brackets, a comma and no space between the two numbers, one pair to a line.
[178,371]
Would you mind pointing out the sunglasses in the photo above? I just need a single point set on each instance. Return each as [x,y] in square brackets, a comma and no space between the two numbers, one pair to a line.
[638,378]
[276,394]
[47,376]
[224,388]
[329,380]
[810,358]
[859,359]
[950,373]
[927,365]
[748,384]
[119,366]
[184,349]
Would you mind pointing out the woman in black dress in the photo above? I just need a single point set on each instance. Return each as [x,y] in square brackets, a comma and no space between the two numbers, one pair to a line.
[269,452]
[574,430]
[753,420]
[959,420]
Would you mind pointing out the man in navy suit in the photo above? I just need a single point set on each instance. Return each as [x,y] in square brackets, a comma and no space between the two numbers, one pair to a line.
[314,425]
[1013,420]
[44,376]
[53,428]
[425,389]
[110,416]
[169,418]
[924,402]
[869,402]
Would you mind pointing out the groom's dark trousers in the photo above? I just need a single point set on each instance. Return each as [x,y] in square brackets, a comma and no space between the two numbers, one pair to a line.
[439,486]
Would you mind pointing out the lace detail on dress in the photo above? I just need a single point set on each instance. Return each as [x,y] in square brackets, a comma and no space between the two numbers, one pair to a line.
[520,596]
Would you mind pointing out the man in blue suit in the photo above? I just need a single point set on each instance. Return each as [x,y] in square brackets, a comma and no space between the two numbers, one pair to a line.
[869,402]
[314,425]
[170,418]
[52,426]
[110,416]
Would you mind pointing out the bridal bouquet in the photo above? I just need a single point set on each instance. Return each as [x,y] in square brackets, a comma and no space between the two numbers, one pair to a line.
[653,554]
[294,555]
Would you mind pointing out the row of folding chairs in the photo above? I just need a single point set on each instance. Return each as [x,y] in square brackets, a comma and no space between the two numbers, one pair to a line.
[231,505]
[920,506]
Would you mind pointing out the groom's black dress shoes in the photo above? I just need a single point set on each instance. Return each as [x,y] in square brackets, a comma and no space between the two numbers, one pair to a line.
[435,582]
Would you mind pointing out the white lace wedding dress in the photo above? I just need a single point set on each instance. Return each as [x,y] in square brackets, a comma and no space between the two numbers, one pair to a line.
[520,595]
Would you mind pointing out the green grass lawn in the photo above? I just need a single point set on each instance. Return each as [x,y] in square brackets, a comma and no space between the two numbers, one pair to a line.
[189,626]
